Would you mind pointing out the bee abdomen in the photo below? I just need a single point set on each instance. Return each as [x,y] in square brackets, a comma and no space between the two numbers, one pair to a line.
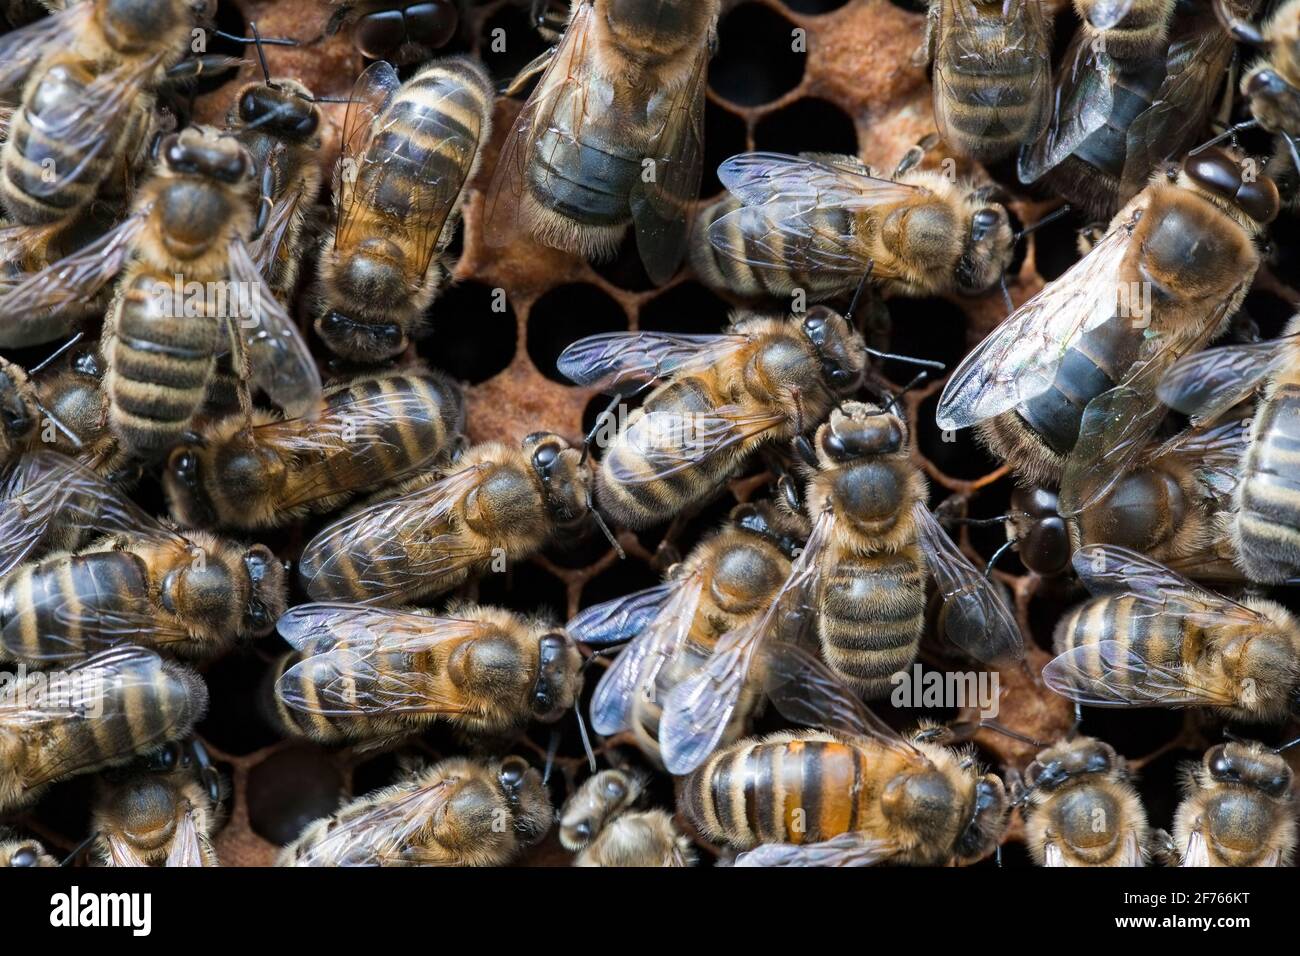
[1268,514]
[997,103]
[871,622]
[1121,619]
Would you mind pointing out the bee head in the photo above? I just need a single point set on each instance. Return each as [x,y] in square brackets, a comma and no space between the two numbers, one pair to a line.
[856,431]
[565,479]
[366,341]
[17,416]
[1228,177]
[1055,766]
[144,808]
[398,35]
[530,805]
[1250,765]
[267,590]
[202,152]
[133,26]
[983,830]
[201,474]
[839,347]
[559,678]
[988,249]
[284,109]
[599,799]
[1043,540]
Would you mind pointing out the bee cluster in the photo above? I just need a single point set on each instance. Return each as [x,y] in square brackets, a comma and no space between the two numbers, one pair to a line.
[711,440]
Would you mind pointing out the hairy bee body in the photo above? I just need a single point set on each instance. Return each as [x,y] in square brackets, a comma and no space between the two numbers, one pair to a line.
[1238,809]
[370,432]
[18,852]
[598,824]
[1271,85]
[1141,31]
[151,819]
[479,813]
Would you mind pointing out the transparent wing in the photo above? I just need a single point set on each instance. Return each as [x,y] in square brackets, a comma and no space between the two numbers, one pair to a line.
[625,363]
[621,619]
[696,713]
[1020,358]
[1215,451]
[1111,674]
[120,852]
[847,849]
[1081,105]
[978,619]
[791,236]
[371,93]
[1197,852]
[267,249]
[661,444]
[1206,384]
[1131,852]
[1104,14]
[22,49]
[382,832]
[757,179]
[186,848]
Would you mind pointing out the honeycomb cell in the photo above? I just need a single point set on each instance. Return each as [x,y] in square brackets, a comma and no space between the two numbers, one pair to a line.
[757,61]
[508,42]
[563,316]
[625,270]
[239,700]
[725,136]
[474,332]
[291,788]
[808,125]
[814,6]
[687,307]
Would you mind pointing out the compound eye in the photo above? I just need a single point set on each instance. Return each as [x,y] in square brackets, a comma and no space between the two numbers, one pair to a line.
[177,156]
[615,789]
[1220,764]
[308,123]
[814,327]
[513,770]
[249,106]
[1259,200]
[545,457]
[24,857]
[983,223]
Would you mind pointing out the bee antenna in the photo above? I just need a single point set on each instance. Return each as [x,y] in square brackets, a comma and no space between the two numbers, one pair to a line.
[1229,735]
[1286,746]
[76,851]
[1291,147]
[261,53]
[1006,293]
[1229,133]
[552,748]
[858,293]
[998,728]
[600,523]
[1050,218]
[988,568]
[586,740]
[926,363]
[54,420]
[269,41]
[1241,30]
[56,353]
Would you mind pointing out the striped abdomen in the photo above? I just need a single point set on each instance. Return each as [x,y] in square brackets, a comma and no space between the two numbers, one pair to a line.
[872,615]
[788,789]
[1167,639]
[1268,498]
[161,362]
[334,728]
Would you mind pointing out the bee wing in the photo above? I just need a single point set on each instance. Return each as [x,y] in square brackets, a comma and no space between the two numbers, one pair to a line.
[383,831]
[666,443]
[1024,50]
[1081,104]
[1111,674]
[637,667]
[371,543]
[280,362]
[625,363]
[561,82]
[662,208]
[1052,855]
[371,93]
[186,848]
[696,713]
[1130,853]
[1108,569]
[621,619]
[32,305]
[847,849]
[1206,384]
[267,247]
[120,852]
[1197,852]
[758,178]
[22,49]
[1216,452]
[978,619]
[1020,358]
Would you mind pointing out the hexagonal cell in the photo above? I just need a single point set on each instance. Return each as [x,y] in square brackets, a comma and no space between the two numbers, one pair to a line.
[526,588]
[290,789]
[473,332]
[239,689]
[625,270]
[1056,245]
[564,315]
[687,307]
[756,61]
[808,125]
[957,454]
[508,42]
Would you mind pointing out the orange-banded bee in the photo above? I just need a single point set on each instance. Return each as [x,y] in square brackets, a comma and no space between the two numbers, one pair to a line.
[95,714]
[613,133]
[1151,638]
[499,504]
[1082,808]
[372,431]
[715,400]
[599,824]
[855,794]
[672,628]
[409,152]
[1238,809]
[459,812]
[821,222]
[1064,388]
[377,674]
[861,571]
[16,851]
[189,291]
[992,73]
[399,32]
[1265,518]
[165,814]
[1128,98]
[191,595]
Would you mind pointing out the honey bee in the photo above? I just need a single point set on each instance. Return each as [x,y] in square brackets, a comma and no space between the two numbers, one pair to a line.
[191,595]
[371,431]
[1082,808]
[1264,522]
[401,33]
[1151,638]
[162,816]
[161,343]
[1064,389]
[821,222]
[1237,810]
[15,851]
[459,812]
[672,628]
[409,152]
[95,714]
[855,794]
[600,826]
[992,73]
[715,400]
[363,673]
[1135,90]
[612,135]
[498,505]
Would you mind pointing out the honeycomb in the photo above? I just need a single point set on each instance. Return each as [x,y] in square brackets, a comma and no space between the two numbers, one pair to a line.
[853,89]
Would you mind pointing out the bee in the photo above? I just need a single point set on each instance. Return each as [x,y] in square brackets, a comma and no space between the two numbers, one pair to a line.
[672,628]
[1271,85]
[1083,809]
[94,714]
[1264,522]
[612,135]
[191,595]
[363,673]
[401,33]
[1064,388]
[498,504]
[165,815]
[600,826]
[459,812]
[714,401]
[161,342]
[1151,638]
[1135,89]
[1237,809]
[15,851]
[371,431]
[992,73]
[821,222]
[853,794]
[409,152]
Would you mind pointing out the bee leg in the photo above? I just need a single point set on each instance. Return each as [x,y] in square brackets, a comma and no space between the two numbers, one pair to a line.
[601,420]
[552,748]
[789,492]
[988,569]
[1242,31]
[803,447]
[915,154]
[194,67]
[923,56]
[266,199]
